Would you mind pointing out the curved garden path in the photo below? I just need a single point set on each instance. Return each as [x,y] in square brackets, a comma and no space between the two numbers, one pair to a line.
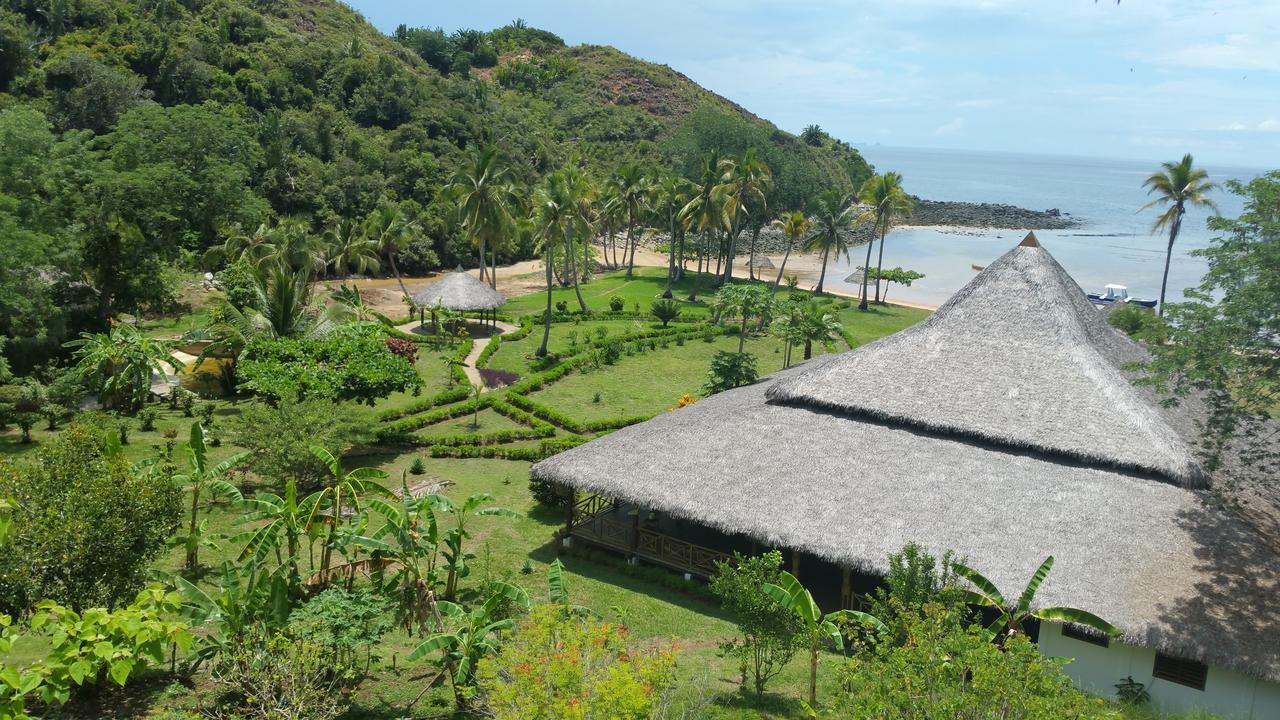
[479,342]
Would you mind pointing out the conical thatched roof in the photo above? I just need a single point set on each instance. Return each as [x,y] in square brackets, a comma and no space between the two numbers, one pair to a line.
[459,291]
[762,262]
[1019,357]
[851,468]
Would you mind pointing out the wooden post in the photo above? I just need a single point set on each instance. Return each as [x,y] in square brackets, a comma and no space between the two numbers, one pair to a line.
[846,589]
[635,532]
[568,519]
[795,563]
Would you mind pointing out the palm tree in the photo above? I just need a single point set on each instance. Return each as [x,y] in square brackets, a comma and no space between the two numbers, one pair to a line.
[834,216]
[348,247]
[1010,618]
[794,225]
[742,182]
[789,593]
[194,480]
[580,200]
[345,490]
[704,212]
[551,211]
[815,324]
[485,199]
[632,186]
[1177,185]
[672,193]
[239,244]
[389,231]
[745,301]
[120,364]
[888,201]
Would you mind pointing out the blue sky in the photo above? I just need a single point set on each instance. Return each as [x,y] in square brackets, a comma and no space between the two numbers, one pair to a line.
[1145,79]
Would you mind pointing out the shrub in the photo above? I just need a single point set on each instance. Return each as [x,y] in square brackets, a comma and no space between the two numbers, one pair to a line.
[771,633]
[558,665]
[347,365]
[729,370]
[239,284]
[616,303]
[547,493]
[1139,323]
[147,417]
[86,527]
[946,670]
[270,675]
[403,348]
[281,438]
[205,413]
[417,467]
[346,625]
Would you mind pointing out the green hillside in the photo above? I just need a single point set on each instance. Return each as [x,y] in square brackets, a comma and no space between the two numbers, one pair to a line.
[186,120]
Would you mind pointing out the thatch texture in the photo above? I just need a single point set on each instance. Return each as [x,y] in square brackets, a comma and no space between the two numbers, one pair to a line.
[1018,357]
[762,262]
[459,291]
[831,474]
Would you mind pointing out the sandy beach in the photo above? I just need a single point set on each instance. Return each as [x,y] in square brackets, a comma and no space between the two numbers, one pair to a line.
[527,276]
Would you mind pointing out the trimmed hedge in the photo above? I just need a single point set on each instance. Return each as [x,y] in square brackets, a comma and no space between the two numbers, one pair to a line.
[545,449]
[574,426]
[488,351]
[522,417]
[494,438]
[452,395]
[400,432]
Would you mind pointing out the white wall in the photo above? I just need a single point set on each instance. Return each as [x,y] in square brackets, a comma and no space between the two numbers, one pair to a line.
[1097,669]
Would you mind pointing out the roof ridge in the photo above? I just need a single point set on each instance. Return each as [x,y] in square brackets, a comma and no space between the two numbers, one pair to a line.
[1018,357]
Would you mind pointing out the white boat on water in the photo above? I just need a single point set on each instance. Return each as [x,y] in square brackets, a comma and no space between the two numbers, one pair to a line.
[1112,294]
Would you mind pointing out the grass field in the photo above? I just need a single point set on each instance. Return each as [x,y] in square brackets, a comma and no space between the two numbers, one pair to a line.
[659,608]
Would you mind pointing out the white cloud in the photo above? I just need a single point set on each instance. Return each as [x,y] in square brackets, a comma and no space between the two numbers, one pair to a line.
[1269,125]
[951,128]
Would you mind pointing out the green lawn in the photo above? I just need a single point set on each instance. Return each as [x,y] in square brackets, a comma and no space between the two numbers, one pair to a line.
[650,383]
[644,287]
[658,607]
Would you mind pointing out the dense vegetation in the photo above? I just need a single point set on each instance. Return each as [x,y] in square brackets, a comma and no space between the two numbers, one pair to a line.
[138,135]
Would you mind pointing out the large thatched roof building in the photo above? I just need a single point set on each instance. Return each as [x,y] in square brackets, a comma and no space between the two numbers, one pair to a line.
[1005,427]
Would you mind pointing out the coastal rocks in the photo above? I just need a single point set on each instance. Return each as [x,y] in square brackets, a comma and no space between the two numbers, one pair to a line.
[988,215]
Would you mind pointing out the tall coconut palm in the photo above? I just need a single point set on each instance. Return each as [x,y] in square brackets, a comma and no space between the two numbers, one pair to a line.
[632,186]
[834,216]
[251,246]
[485,198]
[672,193]
[1176,184]
[888,201]
[703,212]
[349,248]
[793,225]
[552,207]
[390,231]
[743,182]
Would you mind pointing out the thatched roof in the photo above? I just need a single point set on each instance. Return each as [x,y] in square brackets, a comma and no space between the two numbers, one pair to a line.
[459,291]
[855,277]
[1020,357]
[838,479]
[761,262]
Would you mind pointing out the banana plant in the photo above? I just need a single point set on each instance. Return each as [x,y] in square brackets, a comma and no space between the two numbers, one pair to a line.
[285,525]
[558,590]
[475,635]
[454,557]
[346,490]
[194,481]
[791,594]
[409,541]
[242,598]
[1012,616]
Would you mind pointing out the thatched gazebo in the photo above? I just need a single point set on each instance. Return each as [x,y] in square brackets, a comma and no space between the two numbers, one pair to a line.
[460,292]
[1006,428]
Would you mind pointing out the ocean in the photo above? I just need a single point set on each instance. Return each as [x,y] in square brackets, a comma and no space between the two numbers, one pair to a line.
[1113,244]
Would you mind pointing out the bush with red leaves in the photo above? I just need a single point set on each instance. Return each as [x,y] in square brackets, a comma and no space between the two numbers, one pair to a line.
[403,348]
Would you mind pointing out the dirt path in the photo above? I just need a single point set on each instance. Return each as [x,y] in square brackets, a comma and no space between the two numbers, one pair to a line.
[482,335]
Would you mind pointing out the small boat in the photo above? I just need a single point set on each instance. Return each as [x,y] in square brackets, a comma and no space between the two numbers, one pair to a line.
[1112,294]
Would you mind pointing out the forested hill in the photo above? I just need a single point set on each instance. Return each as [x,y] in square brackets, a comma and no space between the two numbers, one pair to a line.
[134,135]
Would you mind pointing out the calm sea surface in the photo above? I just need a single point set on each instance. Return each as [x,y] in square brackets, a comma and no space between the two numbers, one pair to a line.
[1114,243]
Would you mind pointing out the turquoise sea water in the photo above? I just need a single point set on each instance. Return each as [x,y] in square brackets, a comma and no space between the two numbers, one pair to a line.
[1114,243]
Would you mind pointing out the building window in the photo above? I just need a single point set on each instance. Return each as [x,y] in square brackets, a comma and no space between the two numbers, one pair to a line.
[1184,672]
[1075,632]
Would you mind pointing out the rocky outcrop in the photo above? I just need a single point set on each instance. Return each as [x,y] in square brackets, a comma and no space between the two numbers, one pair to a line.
[988,215]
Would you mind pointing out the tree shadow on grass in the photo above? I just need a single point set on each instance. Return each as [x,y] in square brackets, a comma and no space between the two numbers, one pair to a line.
[772,703]
[641,579]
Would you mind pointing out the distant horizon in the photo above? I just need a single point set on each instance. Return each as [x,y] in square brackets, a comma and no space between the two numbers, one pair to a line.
[1128,82]
[1211,166]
